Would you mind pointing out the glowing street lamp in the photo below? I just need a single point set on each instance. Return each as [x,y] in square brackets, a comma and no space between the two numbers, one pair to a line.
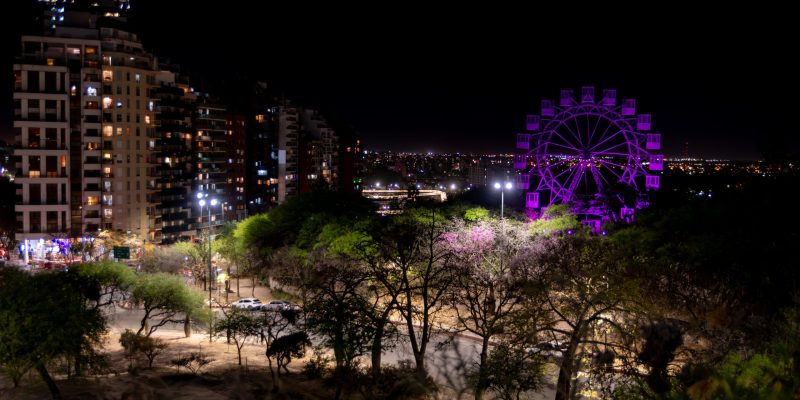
[503,188]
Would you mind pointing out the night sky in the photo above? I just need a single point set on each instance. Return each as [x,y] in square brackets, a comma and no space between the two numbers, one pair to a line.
[412,78]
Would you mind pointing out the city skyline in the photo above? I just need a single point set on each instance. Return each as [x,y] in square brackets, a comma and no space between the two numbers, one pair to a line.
[453,88]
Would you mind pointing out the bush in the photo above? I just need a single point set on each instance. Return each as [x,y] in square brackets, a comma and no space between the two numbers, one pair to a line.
[280,294]
[317,366]
[194,362]
[403,382]
[147,346]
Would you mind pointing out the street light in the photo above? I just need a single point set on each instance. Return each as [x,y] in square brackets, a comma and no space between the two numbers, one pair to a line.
[503,188]
[209,280]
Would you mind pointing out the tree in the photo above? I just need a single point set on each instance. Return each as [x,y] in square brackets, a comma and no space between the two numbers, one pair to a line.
[492,272]
[591,302]
[476,214]
[28,339]
[163,298]
[555,220]
[238,324]
[425,277]
[197,256]
[337,311]
[137,344]
[114,280]
[510,371]
[356,244]
[170,259]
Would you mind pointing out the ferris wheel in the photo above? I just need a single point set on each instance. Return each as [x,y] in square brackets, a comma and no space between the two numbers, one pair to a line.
[593,155]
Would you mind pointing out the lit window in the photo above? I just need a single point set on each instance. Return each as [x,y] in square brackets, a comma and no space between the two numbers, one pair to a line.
[90,91]
[108,213]
[91,200]
[138,77]
[106,102]
[146,119]
[260,118]
[51,62]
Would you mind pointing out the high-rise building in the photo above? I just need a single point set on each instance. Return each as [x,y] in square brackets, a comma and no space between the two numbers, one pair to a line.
[288,150]
[261,180]
[174,107]
[235,205]
[318,157]
[211,162]
[84,132]
[129,135]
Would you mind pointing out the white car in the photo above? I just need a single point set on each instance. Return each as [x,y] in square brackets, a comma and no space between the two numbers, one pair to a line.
[247,303]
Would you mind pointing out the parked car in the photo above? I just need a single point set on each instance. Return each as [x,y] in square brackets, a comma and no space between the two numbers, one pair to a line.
[55,266]
[277,305]
[549,349]
[247,303]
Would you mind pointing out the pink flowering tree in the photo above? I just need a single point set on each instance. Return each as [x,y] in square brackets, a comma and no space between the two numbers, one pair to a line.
[491,285]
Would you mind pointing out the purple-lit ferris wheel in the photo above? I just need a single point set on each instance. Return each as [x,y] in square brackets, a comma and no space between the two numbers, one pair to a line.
[593,155]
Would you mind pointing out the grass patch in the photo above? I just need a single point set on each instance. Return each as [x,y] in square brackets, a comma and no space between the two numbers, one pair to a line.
[279,294]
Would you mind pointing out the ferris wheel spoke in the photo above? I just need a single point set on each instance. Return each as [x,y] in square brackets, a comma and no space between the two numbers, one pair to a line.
[598,179]
[558,175]
[600,174]
[611,170]
[610,153]
[575,178]
[564,140]
[604,140]
[593,130]
[611,163]
[613,150]
[561,162]
[605,131]
[576,136]
[563,146]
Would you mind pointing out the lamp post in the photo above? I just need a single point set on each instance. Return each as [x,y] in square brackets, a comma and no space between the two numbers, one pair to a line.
[210,203]
[503,188]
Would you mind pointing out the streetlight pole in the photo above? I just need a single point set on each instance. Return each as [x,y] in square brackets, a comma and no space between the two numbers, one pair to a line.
[209,280]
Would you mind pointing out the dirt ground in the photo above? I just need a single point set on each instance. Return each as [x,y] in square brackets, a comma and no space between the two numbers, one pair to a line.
[223,378]
[220,379]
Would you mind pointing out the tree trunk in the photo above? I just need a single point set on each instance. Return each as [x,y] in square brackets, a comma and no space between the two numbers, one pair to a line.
[48,380]
[253,293]
[237,283]
[187,327]
[144,326]
[480,387]
[377,342]
[564,381]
